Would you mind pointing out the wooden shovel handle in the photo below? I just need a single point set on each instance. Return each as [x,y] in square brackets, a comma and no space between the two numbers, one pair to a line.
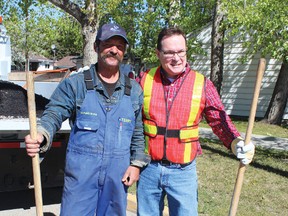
[33,134]
[242,167]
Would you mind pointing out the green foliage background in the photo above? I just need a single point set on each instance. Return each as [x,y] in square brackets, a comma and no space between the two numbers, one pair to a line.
[264,22]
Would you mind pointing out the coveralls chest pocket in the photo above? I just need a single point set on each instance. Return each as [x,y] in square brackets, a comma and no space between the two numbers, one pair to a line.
[86,134]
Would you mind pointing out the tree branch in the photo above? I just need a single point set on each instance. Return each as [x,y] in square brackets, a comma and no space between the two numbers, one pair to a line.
[70,8]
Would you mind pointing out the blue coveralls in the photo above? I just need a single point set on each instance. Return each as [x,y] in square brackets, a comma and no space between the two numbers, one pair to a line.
[98,154]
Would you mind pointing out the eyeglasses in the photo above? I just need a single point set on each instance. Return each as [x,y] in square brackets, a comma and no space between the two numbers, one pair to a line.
[171,54]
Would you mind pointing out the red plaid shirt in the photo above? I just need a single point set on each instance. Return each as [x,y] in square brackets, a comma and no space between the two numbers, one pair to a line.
[214,111]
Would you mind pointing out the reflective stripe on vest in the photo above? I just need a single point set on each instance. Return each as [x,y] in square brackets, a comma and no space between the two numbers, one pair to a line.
[180,129]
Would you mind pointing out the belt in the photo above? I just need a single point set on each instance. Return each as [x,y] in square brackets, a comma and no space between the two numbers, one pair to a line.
[165,162]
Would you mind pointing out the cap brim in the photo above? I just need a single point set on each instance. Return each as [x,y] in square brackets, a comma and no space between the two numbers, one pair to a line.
[114,36]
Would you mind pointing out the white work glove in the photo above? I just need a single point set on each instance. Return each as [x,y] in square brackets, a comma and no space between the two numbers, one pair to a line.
[243,152]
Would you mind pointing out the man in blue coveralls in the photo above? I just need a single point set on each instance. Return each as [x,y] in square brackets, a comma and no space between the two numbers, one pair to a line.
[106,146]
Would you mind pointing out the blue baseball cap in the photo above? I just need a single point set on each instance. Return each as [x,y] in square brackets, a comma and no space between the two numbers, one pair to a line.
[110,30]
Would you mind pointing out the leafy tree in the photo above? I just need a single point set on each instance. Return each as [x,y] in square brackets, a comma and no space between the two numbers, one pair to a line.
[3,7]
[24,32]
[65,36]
[88,13]
[265,23]
[36,32]
[144,19]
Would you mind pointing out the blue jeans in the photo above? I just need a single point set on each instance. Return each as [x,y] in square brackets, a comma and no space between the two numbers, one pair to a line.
[178,182]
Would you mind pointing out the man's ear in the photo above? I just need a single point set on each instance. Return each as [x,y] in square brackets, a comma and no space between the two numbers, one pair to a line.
[157,53]
[126,48]
[96,47]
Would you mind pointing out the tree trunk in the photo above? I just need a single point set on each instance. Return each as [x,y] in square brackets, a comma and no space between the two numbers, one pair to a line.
[277,105]
[217,47]
[89,54]
[89,20]
[27,62]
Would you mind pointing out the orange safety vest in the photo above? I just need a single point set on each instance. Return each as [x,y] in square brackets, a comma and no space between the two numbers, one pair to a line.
[172,134]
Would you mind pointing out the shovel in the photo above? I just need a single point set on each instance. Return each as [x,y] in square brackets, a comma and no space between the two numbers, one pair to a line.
[33,133]
[242,167]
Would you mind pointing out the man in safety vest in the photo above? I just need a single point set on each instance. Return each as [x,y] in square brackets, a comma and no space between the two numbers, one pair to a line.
[175,100]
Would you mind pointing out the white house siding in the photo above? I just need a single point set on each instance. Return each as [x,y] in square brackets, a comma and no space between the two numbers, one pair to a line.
[46,65]
[239,78]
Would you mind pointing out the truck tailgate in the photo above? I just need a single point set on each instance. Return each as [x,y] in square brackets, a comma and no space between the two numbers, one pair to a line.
[22,124]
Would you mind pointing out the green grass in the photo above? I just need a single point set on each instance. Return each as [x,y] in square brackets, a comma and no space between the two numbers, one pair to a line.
[264,191]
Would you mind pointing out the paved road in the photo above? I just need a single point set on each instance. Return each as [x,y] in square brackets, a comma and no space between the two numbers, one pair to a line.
[21,203]
[258,140]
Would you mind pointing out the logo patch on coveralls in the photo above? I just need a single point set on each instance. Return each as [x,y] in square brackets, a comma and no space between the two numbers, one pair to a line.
[125,120]
[88,113]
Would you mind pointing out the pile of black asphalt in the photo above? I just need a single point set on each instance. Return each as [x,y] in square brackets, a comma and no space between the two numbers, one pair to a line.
[13,101]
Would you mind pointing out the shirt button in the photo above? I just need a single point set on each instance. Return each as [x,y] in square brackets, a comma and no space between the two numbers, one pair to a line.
[108,100]
[108,109]
[170,99]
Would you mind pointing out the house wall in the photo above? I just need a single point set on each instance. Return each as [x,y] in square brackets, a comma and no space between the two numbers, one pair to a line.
[43,66]
[239,78]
